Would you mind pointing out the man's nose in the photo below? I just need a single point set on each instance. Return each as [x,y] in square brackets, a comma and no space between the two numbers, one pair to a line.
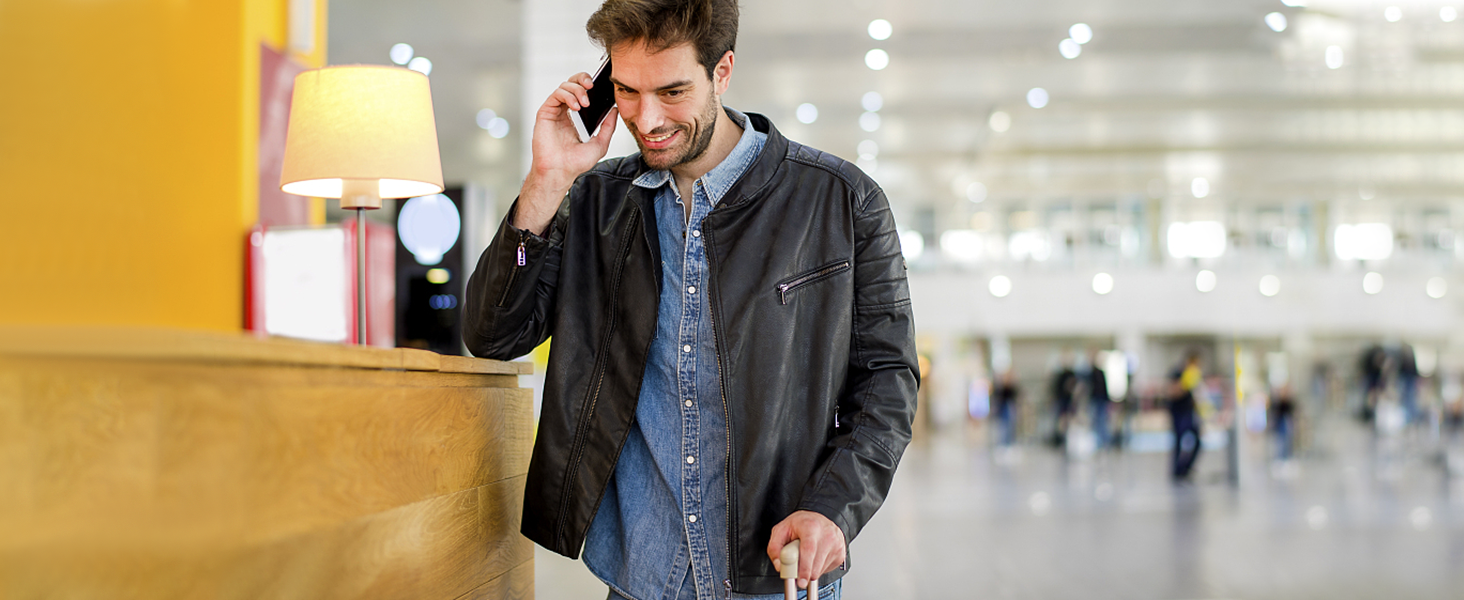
[651,116]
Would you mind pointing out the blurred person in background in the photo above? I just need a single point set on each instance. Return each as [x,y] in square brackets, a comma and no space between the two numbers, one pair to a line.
[1283,421]
[1408,383]
[1098,399]
[680,456]
[1184,383]
[1004,400]
[1064,388]
[1374,379]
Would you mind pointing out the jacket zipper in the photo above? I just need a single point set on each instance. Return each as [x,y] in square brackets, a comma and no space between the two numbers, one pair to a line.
[784,288]
[726,414]
[597,378]
[522,260]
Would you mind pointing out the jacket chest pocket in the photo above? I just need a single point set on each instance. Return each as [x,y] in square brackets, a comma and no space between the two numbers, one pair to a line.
[790,284]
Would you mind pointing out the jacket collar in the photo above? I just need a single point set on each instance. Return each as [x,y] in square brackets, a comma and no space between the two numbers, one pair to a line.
[757,176]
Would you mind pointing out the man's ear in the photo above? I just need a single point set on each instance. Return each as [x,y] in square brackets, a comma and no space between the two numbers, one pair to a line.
[722,73]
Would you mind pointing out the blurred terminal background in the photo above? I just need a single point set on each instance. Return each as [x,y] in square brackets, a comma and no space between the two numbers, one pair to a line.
[1087,191]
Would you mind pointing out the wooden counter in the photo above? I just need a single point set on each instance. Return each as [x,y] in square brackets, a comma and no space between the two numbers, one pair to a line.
[157,464]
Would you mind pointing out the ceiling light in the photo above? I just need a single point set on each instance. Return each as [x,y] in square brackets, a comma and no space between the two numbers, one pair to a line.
[872,101]
[1199,239]
[498,128]
[880,29]
[1033,244]
[1200,187]
[1069,49]
[1436,287]
[485,117]
[1102,283]
[1205,281]
[976,192]
[1448,14]
[1276,21]
[807,113]
[401,53]
[1334,57]
[1081,33]
[877,59]
[1037,97]
[420,65]
[869,121]
[868,149]
[961,245]
[1000,286]
[1393,14]
[1270,285]
[1364,241]
[1372,283]
[1000,121]
[912,244]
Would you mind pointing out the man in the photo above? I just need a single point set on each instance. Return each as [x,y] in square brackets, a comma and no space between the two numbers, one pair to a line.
[1098,399]
[1064,388]
[733,364]
[1184,417]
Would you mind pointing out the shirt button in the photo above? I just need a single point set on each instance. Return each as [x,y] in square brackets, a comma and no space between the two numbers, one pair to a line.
[686,348]
[691,289]
[691,518]
[690,460]
[688,404]
[696,233]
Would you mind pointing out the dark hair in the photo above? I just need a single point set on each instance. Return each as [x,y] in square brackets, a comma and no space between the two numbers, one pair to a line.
[710,26]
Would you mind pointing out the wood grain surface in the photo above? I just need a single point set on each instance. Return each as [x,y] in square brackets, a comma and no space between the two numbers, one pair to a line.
[147,476]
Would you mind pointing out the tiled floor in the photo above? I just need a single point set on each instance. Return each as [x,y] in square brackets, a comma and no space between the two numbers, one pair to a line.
[1355,517]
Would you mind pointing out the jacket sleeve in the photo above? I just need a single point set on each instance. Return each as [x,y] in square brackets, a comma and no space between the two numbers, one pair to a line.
[509,308]
[878,404]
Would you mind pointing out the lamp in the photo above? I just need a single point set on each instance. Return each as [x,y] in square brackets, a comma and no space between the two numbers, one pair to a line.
[361,133]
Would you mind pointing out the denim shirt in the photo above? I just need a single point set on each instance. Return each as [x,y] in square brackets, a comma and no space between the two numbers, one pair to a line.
[660,532]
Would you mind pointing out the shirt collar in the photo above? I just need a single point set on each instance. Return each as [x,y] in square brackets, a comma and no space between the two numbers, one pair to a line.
[721,178]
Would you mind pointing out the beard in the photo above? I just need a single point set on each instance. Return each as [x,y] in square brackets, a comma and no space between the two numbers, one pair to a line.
[695,140]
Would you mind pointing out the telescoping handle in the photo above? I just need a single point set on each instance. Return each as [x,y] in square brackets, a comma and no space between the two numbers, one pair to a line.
[789,570]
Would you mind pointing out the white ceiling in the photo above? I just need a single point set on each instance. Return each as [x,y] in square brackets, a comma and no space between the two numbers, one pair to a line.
[1167,90]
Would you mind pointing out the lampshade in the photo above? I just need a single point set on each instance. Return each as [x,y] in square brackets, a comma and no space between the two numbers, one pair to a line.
[355,124]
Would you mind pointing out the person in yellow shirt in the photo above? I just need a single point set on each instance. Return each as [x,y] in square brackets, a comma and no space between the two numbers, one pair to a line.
[1183,383]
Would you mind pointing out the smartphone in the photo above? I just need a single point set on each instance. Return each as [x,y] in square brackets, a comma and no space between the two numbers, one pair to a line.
[602,99]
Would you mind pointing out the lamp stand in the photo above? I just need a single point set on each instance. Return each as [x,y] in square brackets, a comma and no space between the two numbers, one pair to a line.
[362,195]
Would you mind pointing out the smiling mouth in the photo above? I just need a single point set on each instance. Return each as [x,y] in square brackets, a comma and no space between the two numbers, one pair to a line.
[659,138]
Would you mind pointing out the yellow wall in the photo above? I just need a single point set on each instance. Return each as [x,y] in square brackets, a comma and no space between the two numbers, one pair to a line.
[128,134]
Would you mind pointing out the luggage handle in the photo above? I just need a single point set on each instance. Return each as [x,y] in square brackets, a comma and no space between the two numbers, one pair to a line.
[789,571]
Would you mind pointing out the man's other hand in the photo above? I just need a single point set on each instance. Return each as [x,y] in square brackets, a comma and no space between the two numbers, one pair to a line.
[821,544]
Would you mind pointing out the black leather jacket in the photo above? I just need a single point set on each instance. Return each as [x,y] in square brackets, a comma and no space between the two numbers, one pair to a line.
[814,336]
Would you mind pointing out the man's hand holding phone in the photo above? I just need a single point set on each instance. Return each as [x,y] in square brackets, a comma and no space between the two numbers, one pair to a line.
[559,157]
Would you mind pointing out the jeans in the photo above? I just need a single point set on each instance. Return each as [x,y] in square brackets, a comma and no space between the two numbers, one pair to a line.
[1006,423]
[1409,396]
[1186,440]
[832,591]
[1100,421]
[1284,436]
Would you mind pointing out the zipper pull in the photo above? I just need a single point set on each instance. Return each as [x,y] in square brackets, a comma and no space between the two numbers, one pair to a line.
[727,583]
[523,258]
